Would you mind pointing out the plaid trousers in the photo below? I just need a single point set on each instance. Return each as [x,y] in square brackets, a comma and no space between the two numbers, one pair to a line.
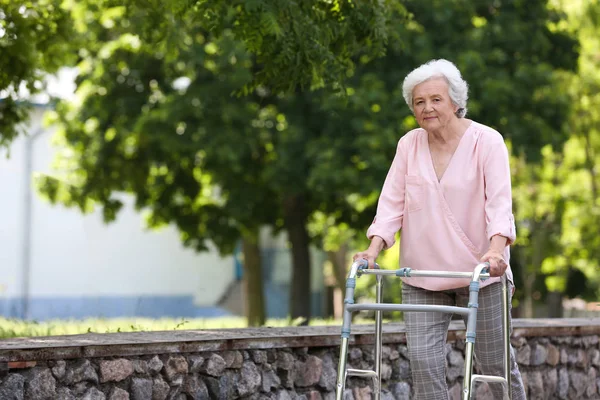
[426,334]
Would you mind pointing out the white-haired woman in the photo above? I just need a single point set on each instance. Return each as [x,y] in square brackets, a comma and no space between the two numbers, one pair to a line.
[449,190]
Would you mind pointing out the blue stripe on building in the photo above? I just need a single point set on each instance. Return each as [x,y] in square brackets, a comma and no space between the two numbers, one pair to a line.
[46,308]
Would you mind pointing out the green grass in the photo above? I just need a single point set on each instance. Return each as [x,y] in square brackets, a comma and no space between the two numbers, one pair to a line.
[10,328]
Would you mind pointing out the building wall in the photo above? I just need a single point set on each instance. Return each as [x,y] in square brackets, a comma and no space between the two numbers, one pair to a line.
[78,266]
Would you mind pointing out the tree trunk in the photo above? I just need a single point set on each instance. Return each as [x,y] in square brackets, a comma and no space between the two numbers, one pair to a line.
[555,306]
[589,163]
[338,262]
[295,215]
[253,281]
[538,239]
[527,298]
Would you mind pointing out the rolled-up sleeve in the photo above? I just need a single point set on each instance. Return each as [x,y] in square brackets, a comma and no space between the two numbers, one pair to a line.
[498,194]
[390,208]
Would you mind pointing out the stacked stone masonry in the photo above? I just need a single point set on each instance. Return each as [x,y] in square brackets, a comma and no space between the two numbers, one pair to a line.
[553,367]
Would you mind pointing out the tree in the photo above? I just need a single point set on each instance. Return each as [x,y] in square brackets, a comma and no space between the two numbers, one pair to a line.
[34,36]
[580,164]
[156,118]
[558,212]
[538,209]
[305,44]
[512,88]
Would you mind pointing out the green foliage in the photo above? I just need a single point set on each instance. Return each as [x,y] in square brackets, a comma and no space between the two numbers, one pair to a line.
[157,115]
[162,130]
[306,44]
[511,83]
[516,69]
[558,212]
[34,36]
[292,44]
[11,328]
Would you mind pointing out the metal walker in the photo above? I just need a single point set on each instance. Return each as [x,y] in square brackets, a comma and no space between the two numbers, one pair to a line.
[481,272]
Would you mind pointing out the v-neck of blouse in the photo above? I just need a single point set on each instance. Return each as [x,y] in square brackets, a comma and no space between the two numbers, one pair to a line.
[451,162]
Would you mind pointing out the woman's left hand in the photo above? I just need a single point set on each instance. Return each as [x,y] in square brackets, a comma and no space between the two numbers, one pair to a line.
[497,263]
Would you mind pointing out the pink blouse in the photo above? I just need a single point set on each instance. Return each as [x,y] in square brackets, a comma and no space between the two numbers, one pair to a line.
[447,225]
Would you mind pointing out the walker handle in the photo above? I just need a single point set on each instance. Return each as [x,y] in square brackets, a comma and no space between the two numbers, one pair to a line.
[486,270]
[365,265]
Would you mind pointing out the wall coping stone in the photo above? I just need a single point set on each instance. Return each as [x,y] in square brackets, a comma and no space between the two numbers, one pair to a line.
[191,341]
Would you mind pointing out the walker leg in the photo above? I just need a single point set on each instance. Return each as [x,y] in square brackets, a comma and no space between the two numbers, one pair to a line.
[470,336]
[347,321]
[378,340]
[341,378]
[506,331]
[467,384]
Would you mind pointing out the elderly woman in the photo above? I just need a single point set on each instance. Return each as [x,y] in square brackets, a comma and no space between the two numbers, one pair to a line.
[449,190]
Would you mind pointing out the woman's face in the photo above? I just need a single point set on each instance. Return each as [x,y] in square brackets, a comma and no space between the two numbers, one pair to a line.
[432,105]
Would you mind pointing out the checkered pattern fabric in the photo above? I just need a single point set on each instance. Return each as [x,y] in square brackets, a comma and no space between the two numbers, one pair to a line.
[427,332]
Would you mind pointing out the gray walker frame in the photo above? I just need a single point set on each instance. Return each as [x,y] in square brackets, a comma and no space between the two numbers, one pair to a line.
[481,272]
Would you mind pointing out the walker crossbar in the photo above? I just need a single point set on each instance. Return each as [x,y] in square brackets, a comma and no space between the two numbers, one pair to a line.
[365,373]
[480,272]
[407,307]
[488,378]
[412,273]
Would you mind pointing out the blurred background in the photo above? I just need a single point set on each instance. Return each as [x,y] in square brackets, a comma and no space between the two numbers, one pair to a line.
[220,161]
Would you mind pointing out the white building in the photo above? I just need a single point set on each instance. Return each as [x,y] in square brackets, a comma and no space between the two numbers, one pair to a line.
[56,262]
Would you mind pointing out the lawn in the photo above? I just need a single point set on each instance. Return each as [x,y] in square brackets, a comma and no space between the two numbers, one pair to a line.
[10,328]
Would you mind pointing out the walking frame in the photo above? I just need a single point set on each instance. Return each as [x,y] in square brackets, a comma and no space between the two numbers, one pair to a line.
[481,272]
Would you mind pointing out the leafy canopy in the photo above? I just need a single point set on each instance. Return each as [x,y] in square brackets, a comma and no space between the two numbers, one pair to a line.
[155,115]
[306,44]
[34,39]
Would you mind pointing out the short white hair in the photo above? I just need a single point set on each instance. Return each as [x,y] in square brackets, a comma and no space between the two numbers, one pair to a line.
[458,89]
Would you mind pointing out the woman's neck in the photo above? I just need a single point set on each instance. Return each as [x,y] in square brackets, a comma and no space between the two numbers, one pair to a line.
[451,133]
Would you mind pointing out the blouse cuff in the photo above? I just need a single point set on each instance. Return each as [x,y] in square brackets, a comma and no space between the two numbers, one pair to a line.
[503,227]
[388,239]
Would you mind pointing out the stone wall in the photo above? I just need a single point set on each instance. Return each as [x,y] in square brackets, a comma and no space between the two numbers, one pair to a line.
[559,359]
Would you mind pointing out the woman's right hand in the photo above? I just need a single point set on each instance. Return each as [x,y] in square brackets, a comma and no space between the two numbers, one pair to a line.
[368,255]
[372,252]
